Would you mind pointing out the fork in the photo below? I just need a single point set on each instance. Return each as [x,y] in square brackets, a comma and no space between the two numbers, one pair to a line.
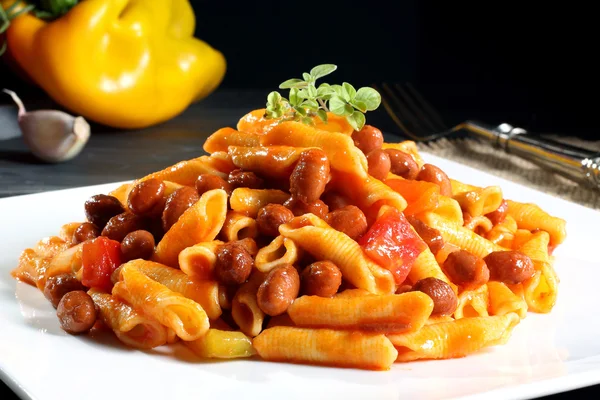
[419,120]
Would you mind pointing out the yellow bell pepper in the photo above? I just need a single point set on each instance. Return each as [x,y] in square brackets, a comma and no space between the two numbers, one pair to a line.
[122,63]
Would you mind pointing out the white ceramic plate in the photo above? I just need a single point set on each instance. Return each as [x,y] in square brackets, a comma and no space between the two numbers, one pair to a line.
[546,354]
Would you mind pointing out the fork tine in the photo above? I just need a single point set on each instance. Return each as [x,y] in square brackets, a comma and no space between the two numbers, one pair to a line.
[404,117]
[434,115]
[401,107]
[414,113]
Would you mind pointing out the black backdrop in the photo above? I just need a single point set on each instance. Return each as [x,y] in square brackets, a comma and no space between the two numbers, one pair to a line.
[528,62]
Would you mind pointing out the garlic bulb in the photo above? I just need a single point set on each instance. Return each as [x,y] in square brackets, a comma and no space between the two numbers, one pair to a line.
[51,135]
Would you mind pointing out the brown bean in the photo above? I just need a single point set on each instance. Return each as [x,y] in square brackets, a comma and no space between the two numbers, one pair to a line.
[100,208]
[298,207]
[58,285]
[234,264]
[499,214]
[465,269]
[247,179]
[402,164]
[335,200]
[310,175]
[279,289]
[120,225]
[509,266]
[85,231]
[177,203]
[147,198]
[76,312]
[206,182]
[270,217]
[433,174]
[430,235]
[379,164]
[444,298]
[322,278]
[403,289]
[349,220]
[137,244]
[368,138]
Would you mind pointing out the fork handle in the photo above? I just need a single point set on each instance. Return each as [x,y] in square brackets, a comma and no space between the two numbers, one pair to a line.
[575,163]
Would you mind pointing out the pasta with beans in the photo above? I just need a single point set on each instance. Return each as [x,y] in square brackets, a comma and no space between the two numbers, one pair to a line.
[301,243]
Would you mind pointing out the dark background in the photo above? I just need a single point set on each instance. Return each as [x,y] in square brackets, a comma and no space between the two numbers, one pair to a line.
[529,63]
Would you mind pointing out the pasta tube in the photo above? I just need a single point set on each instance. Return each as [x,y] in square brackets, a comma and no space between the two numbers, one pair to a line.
[326,347]
[387,313]
[173,310]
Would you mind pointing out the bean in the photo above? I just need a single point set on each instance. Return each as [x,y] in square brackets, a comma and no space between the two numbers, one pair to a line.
[58,285]
[335,200]
[402,164]
[349,220]
[444,298]
[499,214]
[403,289]
[368,138]
[76,312]
[270,217]
[147,198]
[85,231]
[433,174]
[177,203]
[120,225]
[206,182]
[137,244]
[430,235]
[322,278]
[238,178]
[310,175]
[509,266]
[234,264]
[465,269]
[379,164]
[298,207]
[279,289]
[100,208]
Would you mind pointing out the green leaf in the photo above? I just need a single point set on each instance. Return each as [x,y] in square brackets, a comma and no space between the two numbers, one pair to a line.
[290,83]
[348,109]
[307,77]
[337,105]
[359,105]
[294,98]
[322,114]
[312,90]
[325,91]
[273,98]
[321,70]
[356,120]
[348,91]
[369,96]
[300,110]
[310,104]
[308,121]
[338,90]
[303,94]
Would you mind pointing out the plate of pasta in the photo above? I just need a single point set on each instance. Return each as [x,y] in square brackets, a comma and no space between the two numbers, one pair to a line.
[298,257]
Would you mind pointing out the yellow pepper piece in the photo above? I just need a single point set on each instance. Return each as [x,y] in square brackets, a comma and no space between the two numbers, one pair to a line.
[122,63]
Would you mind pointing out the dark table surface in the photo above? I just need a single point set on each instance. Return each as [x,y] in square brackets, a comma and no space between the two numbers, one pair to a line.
[115,155]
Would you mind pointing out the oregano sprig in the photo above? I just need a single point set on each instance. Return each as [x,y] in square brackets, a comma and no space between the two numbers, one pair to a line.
[306,100]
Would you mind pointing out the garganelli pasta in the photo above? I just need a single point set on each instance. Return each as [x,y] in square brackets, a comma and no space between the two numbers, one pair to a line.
[288,242]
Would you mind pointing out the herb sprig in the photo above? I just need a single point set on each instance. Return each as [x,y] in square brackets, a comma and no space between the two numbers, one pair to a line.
[306,100]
